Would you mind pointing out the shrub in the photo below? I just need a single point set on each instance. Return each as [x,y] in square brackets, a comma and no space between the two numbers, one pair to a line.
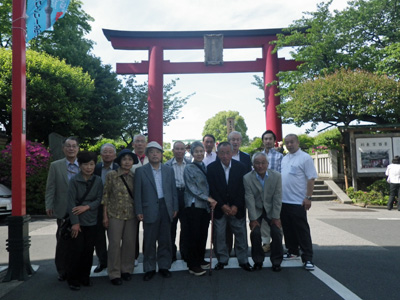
[37,164]
[330,138]
[381,186]
[373,197]
[255,146]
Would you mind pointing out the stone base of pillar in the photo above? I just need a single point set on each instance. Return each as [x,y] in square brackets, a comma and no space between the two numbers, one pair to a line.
[18,244]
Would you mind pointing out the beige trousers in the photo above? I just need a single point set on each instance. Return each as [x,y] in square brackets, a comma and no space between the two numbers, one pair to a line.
[121,246]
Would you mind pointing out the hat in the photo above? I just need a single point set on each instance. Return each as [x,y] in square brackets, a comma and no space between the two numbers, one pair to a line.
[127,152]
[153,144]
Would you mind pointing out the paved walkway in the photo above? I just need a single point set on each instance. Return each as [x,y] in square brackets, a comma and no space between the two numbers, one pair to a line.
[233,283]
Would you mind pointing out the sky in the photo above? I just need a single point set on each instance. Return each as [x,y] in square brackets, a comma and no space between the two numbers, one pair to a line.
[213,92]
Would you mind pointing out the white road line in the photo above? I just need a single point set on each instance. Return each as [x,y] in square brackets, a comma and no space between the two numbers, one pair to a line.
[335,285]
[389,219]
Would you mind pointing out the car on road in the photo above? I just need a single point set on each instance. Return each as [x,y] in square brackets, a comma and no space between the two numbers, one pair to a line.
[5,200]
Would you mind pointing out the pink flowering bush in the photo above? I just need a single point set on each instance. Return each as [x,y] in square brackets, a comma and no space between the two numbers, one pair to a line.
[318,149]
[37,163]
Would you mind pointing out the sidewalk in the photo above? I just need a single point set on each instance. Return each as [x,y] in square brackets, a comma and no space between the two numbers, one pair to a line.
[232,283]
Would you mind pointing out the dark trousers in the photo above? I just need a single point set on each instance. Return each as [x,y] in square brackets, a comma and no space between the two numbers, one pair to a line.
[394,191]
[197,223]
[157,249]
[257,252]
[61,252]
[182,236]
[80,255]
[101,244]
[296,230]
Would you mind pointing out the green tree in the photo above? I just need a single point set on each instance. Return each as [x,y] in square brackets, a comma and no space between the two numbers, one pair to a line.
[67,41]
[343,97]
[5,23]
[354,38]
[136,107]
[56,95]
[217,126]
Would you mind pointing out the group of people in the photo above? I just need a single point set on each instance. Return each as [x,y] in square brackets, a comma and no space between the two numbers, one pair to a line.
[113,196]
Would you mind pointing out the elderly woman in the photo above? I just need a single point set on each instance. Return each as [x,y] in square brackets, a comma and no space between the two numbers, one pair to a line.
[120,219]
[84,197]
[393,174]
[197,208]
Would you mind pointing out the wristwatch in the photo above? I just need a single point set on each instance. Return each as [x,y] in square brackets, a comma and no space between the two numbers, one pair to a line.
[309,198]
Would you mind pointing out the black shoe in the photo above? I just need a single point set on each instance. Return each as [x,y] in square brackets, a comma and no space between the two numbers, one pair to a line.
[75,287]
[246,267]
[276,268]
[116,281]
[205,264]
[126,276]
[148,275]
[86,282]
[164,273]
[99,268]
[257,266]
[61,277]
[219,266]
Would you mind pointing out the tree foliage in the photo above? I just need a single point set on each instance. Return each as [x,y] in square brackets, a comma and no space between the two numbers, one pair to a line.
[136,107]
[5,23]
[354,38]
[343,97]
[109,110]
[56,95]
[217,126]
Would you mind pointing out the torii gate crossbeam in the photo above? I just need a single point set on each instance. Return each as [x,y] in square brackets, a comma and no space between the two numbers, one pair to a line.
[158,41]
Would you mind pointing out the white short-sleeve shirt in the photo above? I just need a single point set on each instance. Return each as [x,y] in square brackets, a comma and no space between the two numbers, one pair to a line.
[297,169]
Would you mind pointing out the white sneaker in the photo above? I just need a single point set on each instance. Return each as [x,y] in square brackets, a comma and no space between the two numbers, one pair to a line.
[136,263]
[308,265]
[289,256]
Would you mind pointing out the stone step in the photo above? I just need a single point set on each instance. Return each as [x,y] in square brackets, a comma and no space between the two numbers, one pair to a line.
[320,187]
[322,192]
[324,197]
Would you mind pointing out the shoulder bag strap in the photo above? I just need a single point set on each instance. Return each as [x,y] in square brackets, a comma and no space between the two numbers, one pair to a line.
[127,187]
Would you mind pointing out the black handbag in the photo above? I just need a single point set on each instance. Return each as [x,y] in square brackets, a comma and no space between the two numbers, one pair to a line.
[66,225]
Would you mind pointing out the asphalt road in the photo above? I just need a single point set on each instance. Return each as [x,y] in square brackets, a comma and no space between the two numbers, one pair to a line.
[355,253]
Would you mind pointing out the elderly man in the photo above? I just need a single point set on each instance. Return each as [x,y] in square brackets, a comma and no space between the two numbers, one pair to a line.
[56,197]
[108,154]
[263,194]
[235,138]
[209,144]
[178,163]
[274,158]
[139,147]
[298,176]
[156,204]
[225,179]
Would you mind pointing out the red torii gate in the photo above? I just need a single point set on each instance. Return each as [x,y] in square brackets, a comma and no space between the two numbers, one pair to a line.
[158,41]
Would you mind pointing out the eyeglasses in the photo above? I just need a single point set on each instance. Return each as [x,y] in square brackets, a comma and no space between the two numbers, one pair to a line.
[71,146]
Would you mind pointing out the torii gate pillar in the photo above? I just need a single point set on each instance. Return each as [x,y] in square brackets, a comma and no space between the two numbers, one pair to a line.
[155,95]
[273,121]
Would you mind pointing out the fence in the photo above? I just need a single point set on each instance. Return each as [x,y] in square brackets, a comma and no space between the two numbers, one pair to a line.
[326,164]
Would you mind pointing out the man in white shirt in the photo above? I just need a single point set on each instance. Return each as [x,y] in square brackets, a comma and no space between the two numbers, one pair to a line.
[209,143]
[298,176]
